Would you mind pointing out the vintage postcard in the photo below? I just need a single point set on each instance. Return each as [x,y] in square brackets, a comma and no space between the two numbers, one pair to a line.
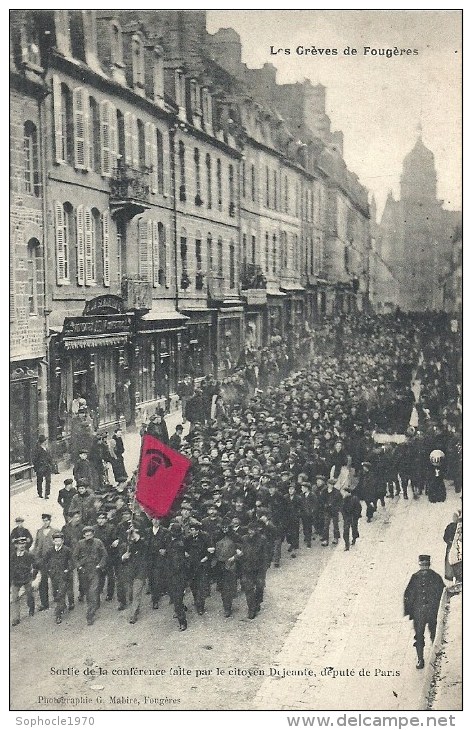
[236,361]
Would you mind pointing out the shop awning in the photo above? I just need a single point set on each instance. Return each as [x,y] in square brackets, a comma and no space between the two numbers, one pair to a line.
[79,343]
[293,287]
[157,314]
[162,320]
[275,293]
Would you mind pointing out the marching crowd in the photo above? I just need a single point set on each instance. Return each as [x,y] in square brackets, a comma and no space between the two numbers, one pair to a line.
[283,448]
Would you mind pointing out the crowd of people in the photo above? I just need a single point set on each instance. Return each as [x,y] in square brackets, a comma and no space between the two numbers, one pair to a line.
[284,451]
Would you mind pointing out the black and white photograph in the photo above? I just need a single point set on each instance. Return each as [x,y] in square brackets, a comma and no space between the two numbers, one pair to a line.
[235,356]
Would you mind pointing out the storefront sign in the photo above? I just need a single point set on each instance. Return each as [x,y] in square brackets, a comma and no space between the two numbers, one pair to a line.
[96,326]
[105,304]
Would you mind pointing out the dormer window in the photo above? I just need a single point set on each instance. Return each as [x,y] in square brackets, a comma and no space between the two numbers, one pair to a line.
[116,44]
[138,62]
[180,90]
[158,75]
[77,35]
[207,110]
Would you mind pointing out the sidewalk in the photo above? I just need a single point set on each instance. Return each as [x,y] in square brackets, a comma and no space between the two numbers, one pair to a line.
[354,618]
[28,505]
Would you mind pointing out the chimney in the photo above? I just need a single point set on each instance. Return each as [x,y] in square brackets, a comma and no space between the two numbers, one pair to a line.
[225,46]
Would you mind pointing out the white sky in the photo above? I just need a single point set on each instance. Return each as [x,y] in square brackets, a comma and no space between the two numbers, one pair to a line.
[376,101]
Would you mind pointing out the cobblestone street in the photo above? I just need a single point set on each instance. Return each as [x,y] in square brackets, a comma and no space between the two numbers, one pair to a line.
[328,608]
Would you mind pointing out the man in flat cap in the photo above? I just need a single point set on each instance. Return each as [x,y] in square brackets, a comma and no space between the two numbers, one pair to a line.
[58,565]
[421,603]
[65,495]
[90,557]
[21,531]
[43,465]
[23,570]
[42,545]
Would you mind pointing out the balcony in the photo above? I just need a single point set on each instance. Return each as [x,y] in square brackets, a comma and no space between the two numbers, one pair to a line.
[129,192]
[136,293]
[253,284]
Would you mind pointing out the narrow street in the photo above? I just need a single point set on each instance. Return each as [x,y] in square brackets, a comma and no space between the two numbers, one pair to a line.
[327,608]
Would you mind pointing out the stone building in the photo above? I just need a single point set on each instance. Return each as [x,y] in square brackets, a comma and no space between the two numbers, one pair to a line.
[28,274]
[169,209]
[417,232]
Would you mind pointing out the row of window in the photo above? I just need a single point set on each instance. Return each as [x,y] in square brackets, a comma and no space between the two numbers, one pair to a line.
[154,259]
[80,235]
[192,259]
[199,194]
[97,136]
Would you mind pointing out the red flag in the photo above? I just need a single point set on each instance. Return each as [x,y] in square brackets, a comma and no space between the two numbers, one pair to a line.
[160,477]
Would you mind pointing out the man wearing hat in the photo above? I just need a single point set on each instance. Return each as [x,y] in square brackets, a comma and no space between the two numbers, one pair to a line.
[421,603]
[90,557]
[177,570]
[42,545]
[65,495]
[253,563]
[199,548]
[23,570]
[43,465]
[134,555]
[105,532]
[84,503]
[21,531]
[330,502]
[83,469]
[367,489]
[59,567]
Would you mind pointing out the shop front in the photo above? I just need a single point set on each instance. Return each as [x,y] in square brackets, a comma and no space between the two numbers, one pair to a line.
[90,376]
[157,363]
[294,312]
[24,396]
[229,329]
[275,318]
[198,346]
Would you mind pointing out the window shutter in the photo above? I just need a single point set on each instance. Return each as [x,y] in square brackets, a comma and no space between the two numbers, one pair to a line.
[60,262]
[89,252]
[105,138]
[128,141]
[57,104]
[134,141]
[155,161]
[148,129]
[155,254]
[145,249]
[80,246]
[80,128]
[113,135]
[165,172]
[106,247]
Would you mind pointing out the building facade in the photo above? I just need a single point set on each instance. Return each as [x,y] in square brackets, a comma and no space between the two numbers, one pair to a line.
[169,209]
[28,273]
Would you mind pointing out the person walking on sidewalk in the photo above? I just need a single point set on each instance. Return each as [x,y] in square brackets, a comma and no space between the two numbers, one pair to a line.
[331,503]
[90,557]
[351,510]
[421,603]
[42,545]
[59,567]
[23,570]
[64,498]
[43,465]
